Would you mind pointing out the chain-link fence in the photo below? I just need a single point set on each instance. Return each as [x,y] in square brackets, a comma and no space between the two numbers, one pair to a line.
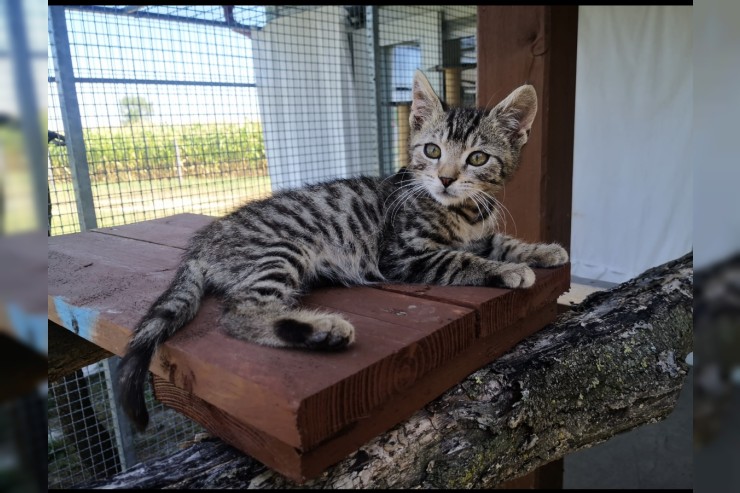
[168,109]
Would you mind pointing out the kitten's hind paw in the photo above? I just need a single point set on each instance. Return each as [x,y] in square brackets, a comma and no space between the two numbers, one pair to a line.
[316,331]
[513,276]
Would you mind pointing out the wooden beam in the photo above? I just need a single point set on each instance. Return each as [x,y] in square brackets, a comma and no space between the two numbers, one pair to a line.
[535,44]
[69,352]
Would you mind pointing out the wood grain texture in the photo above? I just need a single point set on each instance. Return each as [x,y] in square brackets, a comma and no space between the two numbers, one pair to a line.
[537,45]
[303,464]
[174,231]
[497,308]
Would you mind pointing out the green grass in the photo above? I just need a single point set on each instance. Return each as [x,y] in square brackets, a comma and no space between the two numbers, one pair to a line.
[132,201]
[147,151]
[134,171]
[19,208]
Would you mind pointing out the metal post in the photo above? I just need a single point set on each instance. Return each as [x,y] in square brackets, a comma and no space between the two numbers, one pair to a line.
[121,425]
[30,120]
[371,17]
[70,109]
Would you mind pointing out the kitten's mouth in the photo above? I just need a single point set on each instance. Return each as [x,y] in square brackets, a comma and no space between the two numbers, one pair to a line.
[446,197]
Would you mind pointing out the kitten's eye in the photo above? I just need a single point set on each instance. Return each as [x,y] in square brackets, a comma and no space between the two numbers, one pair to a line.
[478,158]
[432,151]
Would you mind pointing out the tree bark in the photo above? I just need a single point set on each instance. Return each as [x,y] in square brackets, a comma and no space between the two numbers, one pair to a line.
[614,362]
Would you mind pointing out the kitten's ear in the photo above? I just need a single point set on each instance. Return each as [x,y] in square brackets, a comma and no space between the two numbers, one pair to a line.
[424,101]
[517,111]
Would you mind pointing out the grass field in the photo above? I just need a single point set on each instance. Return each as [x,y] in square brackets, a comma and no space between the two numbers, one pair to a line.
[133,201]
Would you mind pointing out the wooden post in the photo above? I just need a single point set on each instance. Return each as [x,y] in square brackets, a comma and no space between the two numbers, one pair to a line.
[453,77]
[403,133]
[535,44]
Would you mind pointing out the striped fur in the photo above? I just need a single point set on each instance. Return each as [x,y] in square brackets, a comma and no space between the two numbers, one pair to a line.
[432,222]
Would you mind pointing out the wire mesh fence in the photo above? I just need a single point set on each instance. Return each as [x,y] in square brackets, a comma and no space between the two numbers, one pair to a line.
[171,109]
[88,439]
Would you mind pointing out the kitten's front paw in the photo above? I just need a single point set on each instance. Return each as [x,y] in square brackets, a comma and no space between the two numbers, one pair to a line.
[513,276]
[548,255]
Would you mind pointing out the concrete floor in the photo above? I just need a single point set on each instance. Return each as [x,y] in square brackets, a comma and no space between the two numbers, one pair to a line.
[658,455]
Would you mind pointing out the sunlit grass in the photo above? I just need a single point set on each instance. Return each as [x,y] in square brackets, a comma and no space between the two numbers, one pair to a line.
[133,201]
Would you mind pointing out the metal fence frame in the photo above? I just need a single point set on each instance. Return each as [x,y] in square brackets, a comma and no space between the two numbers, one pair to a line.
[66,83]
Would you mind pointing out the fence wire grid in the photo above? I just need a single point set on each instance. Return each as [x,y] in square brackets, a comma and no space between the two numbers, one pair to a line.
[172,109]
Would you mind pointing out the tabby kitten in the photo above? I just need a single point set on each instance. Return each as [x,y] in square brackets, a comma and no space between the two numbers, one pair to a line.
[432,222]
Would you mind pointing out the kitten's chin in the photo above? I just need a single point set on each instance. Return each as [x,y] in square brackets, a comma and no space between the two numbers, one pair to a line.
[447,199]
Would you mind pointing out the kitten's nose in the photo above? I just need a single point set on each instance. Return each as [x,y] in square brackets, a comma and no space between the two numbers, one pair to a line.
[446,181]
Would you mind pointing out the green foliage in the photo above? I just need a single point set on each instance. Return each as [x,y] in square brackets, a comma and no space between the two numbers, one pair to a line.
[147,152]
[134,109]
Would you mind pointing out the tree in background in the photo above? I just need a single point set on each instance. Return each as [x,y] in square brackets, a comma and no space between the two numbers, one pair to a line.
[134,109]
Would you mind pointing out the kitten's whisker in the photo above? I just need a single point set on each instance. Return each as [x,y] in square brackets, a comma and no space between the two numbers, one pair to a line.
[491,212]
[502,207]
[480,212]
[400,189]
[402,192]
[495,214]
[396,206]
[411,195]
[507,210]
[400,200]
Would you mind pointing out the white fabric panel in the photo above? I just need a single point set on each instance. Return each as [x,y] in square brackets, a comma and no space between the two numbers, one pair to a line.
[313,126]
[632,176]
[716,169]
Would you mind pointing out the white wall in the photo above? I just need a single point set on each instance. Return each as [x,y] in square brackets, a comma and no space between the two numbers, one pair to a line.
[632,176]
[716,170]
[318,116]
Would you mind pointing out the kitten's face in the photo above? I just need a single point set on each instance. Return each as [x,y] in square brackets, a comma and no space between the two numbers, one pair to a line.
[462,153]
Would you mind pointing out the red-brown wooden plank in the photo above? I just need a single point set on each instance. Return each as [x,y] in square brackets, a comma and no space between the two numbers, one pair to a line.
[337,406]
[174,231]
[497,308]
[301,465]
[262,446]
[304,400]
[397,308]
[104,279]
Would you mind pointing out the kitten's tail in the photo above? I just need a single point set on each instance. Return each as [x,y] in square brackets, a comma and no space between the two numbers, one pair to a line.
[172,310]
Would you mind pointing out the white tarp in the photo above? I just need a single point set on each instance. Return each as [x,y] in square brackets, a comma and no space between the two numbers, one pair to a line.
[632,175]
